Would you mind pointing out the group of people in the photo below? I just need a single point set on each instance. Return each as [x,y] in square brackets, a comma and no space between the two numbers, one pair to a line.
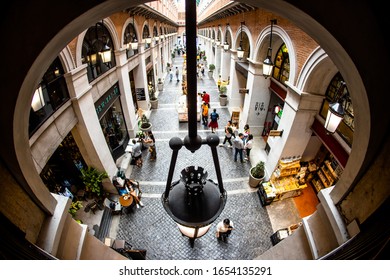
[177,74]
[129,187]
[149,142]
[242,141]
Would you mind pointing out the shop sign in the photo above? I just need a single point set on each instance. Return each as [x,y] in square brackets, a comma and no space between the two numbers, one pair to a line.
[274,133]
[106,101]
[243,90]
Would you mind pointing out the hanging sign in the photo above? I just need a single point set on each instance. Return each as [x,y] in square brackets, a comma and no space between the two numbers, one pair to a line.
[274,133]
[243,90]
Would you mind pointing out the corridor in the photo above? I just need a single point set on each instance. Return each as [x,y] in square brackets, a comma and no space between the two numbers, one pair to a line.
[151,228]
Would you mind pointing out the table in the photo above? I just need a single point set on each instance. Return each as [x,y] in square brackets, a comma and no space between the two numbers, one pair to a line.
[126,200]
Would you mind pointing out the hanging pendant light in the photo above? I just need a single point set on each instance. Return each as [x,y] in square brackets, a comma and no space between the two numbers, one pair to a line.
[240,50]
[267,63]
[336,111]
[193,202]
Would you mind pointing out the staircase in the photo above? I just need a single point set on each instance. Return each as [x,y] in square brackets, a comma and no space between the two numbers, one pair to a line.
[321,233]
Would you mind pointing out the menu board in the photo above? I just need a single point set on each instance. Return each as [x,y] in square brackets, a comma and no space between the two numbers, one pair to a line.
[140,92]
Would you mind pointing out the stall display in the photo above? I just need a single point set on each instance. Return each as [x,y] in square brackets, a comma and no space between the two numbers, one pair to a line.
[288,178]
[326,175]
[267,193]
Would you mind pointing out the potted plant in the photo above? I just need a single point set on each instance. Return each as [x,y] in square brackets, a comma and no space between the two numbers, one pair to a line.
[256,174]
[211,70]
[92,179]
[74,207]
[160,84]
[144,123]
[222,95]
[152,96]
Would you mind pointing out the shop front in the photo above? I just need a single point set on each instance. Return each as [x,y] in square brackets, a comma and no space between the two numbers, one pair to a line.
[109,111]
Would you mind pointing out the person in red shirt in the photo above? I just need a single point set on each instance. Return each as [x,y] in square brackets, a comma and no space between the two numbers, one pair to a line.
[206,98]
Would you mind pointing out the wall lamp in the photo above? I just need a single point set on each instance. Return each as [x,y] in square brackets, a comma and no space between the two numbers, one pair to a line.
[267,63]
[134,42]
[226,45]
[240,50]
[193,202]
[105,51]
[336,110]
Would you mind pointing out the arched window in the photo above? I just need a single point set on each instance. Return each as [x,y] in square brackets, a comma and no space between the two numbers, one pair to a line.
[346,127]
[281,71]
[49,96]
[95,40]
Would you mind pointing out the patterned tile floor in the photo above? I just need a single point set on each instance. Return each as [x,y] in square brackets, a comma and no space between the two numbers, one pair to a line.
[152,229]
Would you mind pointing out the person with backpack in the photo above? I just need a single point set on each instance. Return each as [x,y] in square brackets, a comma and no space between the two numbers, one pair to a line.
[214,117]
[228,134]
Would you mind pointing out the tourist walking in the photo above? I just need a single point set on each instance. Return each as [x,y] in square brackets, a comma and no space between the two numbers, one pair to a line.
[177,74]
[170,74]
[214,117]
[224,229]
[137,153]
[206,98]
[248,146]
[228,134]
[239,147]
[150,141]
[205,113]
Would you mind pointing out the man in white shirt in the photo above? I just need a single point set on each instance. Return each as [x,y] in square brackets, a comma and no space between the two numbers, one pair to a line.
[224,228]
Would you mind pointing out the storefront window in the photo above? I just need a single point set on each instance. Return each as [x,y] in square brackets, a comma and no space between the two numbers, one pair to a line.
[109,111]
[61,173]
[49,96]
[281,71]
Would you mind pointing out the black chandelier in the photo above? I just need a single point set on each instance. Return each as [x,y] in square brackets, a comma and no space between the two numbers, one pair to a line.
[193,202]
[267,63]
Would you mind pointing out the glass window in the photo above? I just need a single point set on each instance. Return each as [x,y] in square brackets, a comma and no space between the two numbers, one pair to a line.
[281,70]
[114,127]
[50,95]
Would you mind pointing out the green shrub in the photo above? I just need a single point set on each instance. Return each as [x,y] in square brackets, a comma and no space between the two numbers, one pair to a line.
[258,170]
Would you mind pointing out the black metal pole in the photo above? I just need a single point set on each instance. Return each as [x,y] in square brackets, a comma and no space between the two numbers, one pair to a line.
[175,143]
[191,67]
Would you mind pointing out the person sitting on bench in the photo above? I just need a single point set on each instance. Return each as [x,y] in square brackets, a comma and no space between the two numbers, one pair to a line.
[131,185]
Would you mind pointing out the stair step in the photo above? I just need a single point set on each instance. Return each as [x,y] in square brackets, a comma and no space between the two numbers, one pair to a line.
[105,225]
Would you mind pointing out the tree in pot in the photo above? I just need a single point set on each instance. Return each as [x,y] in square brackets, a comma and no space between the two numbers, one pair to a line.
[222,95]
[144,123]
[256,174]
[211,70]
[152,96]
[92,179]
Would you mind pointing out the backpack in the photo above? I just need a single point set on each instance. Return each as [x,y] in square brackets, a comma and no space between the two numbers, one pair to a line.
[214,117]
